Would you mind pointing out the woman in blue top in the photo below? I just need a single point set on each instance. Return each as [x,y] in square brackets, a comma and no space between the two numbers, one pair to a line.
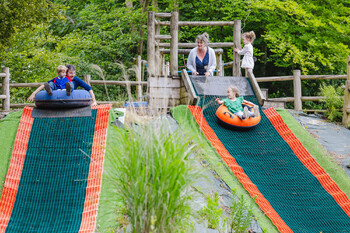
[202,60]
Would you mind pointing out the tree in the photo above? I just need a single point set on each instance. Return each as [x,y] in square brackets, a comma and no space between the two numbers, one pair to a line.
[20,14]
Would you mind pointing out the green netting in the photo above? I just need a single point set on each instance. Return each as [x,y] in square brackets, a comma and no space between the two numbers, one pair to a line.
[272,166]
[52,188]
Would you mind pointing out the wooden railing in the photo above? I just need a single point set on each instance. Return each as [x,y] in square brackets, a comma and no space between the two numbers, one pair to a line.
[298,98]
[5,95]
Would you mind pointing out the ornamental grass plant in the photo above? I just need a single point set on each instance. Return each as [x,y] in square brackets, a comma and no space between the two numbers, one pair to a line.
[151,174]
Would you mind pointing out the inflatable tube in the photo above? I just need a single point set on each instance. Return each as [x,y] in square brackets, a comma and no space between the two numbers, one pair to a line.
[229,120]
[59,99]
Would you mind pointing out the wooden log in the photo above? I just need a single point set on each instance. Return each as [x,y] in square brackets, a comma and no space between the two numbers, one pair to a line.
[22,105]
[189,87]
[192,45]
[163,15]
[162,37]
[2,75]
[219,66]
[174,28]
[297,90]
[312,98]
[118,83]
[236,69]
[207,23]
[187,51]
[346,106]
[322,77]
[256,88]
[284,99]
[14,85]
[138,77]
[6,89]
[163,23]
[3,96]
[151,44]
[158,55]
[87,79]
[273,79]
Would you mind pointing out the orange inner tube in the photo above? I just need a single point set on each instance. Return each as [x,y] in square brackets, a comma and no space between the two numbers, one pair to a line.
[229,118]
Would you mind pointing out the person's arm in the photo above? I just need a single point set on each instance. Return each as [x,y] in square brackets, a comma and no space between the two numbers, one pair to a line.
[219,101]
[94,103]
[32,96]
[242,51]
[247,102]
[190,65]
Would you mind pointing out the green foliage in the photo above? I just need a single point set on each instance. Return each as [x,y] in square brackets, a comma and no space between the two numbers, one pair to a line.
[212,212]
[240,215]
[17,15]
[150,174]
[334,102]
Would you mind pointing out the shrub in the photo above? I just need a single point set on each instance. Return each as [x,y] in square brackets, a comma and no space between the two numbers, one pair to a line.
[334,101]
[151,175]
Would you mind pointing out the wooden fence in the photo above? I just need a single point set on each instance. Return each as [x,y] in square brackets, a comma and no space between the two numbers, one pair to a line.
[5,95]
[298,98]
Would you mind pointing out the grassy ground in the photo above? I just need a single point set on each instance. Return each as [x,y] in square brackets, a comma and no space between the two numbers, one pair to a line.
[8,130]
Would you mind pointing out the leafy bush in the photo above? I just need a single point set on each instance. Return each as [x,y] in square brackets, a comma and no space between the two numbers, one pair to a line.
[151,175]
[334,101]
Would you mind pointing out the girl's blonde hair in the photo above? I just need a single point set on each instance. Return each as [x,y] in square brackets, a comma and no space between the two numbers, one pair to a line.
[203,38]
[61,68]
[234,89]
[249,35]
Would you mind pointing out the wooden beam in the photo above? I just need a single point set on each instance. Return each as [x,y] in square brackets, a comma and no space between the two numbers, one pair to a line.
[256,88]
[2,75]
[312,98]
[272,79]
[151,44]
[207,23]
[297,90]
[163,15]
[6,89]
[187,51]
[236,68]
[189,88]
[3,96]
[162,37]
[174,29]
[321,77]
[118,83]
[346,106]
[192,45]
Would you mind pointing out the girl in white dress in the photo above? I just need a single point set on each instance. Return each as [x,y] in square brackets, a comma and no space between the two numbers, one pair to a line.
[247,51]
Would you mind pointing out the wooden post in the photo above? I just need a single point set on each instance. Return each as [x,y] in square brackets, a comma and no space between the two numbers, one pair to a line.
[219,66]
[157,55]
[297,90]
[6,89]
[174,28]
[151,44]
[167,68]
[87,79]
[236,68]
[346,107]
[138,77]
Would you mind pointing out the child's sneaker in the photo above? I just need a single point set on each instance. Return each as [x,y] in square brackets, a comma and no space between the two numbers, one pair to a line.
[68,88]
[48,89]
[245,113]
[256,111]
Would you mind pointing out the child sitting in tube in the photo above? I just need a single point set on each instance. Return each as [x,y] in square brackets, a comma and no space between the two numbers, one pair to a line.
[234,104]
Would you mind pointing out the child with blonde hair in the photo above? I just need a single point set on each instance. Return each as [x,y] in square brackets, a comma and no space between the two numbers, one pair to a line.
[247,51]
[234,104]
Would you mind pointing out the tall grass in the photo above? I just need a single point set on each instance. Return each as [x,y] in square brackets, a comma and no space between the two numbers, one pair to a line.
[151,176]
